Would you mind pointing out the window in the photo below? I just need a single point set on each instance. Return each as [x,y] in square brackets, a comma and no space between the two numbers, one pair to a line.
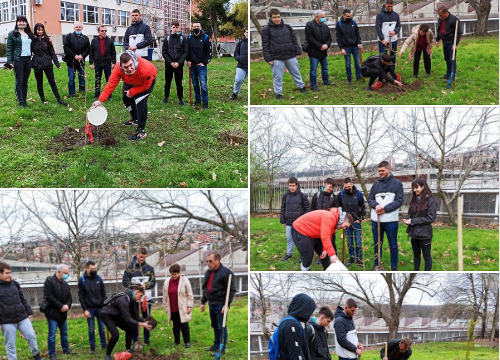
[123,17]
[90,14]
[70,11]
[108,17]
[5,11]
[22,7]
[136,2]
[13,9]
[158,4]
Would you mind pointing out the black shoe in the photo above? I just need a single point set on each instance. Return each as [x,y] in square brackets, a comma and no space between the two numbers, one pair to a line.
[38,357]
[139,135]
[286,258]
[205,106]
[415,76]
[92,351]
[196,103]
[428,75]
[54,357]
[187,345]
[165,100]
[446,77]
[278,97]
[212,348]
[176,344]
[351,262]
[314,89]
[215,353]
[394,268]
[330,84]
[303,90]
[181,103]
[108,357]
[359,262]
[147,343]
[368,88]
[130,123]
[62,102]
[70,353]
[349,82]
[233,97]
[71,95]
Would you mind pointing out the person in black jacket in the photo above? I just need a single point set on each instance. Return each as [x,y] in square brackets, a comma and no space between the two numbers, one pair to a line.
[347,344]
[421,215]
[446,32]
[174,51]
[379,67]
[58,297]
[319,38]
[91,293]
[352,202]
[120,311]
[281,50]
[199,55]
[293,204]
[387,25]
[349,41]
[214,291]
[102,57]
[397,349]
[132,275]
[138,36]
[317,335]
[241,55]
[15,314]
[43,56]
[76,49]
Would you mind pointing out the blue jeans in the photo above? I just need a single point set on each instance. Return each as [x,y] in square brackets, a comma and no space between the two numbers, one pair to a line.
[451,65]
[199,79]
[51,341]
[71,80]
[391,230]
[135,334]
[96,314]
[314,66]
[343,358]
[354,51]
[241,75]
[216,318]
[383,50]
[354,238]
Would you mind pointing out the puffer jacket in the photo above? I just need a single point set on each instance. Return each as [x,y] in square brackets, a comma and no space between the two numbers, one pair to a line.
[138,34]
[279,42]
[421,222]
[381,22]
[13,306]
[293,205]
[346,337]
[175,49]
[14,46]
[75,45]
[317,35]
[43,54]
[57,294]
[353,203]
[319,224]
[413,39]
[185,299]
[241,54]
[317,336]
[323,201]
[199,49]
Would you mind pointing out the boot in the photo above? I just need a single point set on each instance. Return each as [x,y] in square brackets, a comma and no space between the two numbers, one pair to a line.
[62,102]
[38,357]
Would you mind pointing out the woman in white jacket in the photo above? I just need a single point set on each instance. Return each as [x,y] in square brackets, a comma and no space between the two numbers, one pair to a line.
[178,301]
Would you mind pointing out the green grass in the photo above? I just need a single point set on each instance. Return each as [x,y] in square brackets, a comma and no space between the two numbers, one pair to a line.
[161,338]
[268,246]
[476,80]
[195,140]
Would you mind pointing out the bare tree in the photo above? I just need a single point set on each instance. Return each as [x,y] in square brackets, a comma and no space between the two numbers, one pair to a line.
[153,15]
[482,9]
[494,321]
[12,222]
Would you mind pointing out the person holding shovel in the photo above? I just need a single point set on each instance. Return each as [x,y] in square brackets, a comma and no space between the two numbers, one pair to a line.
[396,349]
[379,66]
[446,26]
[347,344]
[387,25]
[420,42]
[385,198]
[349,42]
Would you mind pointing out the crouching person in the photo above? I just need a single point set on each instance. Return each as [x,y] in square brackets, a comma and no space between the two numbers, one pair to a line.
[379,66]
[120,311]
[15,314]
[397,349]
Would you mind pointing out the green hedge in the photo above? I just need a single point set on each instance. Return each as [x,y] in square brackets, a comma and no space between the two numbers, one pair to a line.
[3,50]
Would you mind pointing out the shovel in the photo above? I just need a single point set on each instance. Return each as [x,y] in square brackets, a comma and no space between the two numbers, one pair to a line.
[453,56]
[218,354]
[343,245]
[361,61]
[190,87]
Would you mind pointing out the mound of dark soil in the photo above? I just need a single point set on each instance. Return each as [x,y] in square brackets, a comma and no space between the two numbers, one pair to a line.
[72,138]
[390,88]
[153,355]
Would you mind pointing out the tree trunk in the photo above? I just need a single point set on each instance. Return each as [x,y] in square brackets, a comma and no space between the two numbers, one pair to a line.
[449,209]
[255,22]
[271,195]
[482,9]
[494,323]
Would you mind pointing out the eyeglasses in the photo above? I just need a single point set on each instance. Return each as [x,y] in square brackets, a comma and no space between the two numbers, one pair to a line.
[210,261]
[104,30]
[175,26]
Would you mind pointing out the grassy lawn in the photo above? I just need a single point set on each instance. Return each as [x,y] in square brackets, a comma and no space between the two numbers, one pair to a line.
[195,143]
[477,60]
[161,338]
[268,246]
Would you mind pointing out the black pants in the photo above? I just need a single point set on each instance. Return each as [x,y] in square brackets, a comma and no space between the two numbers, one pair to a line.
[112,324]
[49,73]
[98,77]
[307,247]
[372,74]
[169,73]
[137,106]
[178,327]
[416,62]
[22,70]
[423,246]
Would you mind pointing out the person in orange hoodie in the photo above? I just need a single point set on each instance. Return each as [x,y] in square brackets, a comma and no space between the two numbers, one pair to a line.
[313,232]
[139,77]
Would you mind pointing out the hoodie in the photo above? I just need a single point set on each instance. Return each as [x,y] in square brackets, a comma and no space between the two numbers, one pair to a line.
[279,42]
[346,337]
[135,270]
[199,49]
[384,22]
[319,224]
[138,34]
[387,192]
[323,200]
[293,205]
[317,337]
[353,203]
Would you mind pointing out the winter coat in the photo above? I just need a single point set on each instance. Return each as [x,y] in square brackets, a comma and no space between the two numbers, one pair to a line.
[449,30]
[141,80]
[123,308]
[185,299]
[95,52]
[75,45]
[421,222]
[57,294]
[353,203]
[301,308]
[317,337]
[13,306]
[293,205]
[317,35]
[373,66]
[91,293]
[392,349]
[241,54]
[217,294]
[199,49]
[138,34]
[134,268]
[279,42]
[175,49]
[319,224]
[387,192]
[14,46]
[346,337]
[347,34]
[43,54]
[413,39]
[323,201]
[382,24]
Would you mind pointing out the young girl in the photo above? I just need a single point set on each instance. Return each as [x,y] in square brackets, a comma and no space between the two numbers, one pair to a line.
[421,215]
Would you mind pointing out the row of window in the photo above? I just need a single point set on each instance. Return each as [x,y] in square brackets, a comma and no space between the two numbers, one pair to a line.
[71,12]
[17,7]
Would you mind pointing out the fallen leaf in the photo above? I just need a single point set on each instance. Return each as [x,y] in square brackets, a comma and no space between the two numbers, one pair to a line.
[183,184]
[214,176]
[245,112]
[276,256]
[77,130]
[443,92]
[236,172]
[70,109]
[245,106]
[182,117]
[316,97]
[11,128]
[160,144]
[272,268]
[393,98]
[433,99]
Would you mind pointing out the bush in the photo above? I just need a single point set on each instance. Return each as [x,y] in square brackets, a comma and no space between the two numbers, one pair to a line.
[3,50]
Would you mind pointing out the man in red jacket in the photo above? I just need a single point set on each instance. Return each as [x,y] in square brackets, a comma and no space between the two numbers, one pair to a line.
[313,232]
[139,77]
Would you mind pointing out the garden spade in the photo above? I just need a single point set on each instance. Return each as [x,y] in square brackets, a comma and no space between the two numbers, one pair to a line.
[385,350]
[190,88]
[343,245]
[218,354]
[453,56]
[361,61]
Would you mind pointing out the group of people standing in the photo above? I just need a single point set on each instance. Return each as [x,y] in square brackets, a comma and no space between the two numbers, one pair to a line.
[123,310]
[312,227]
[281,49]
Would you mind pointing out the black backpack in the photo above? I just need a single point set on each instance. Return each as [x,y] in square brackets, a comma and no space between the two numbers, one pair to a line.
[111,300]
[368,63]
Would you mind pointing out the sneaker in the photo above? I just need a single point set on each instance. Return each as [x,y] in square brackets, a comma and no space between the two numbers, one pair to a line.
[38,357]
[92,351]
[187,345]
[415,76]
[205,106]
[130,123]
[303,90]
[349,82]
[211,348]
[147,343]
[359,262]
[181,103]
[314,89]
[139,135]
[286,258]
[233,97]
[108,357]
[196,103]
[330,84]
[368,88]
[351,262]
[278,96]
[62,102]
[446,77]
[318,262]
[70,353]
[54,357]
[428,75]
[165,100]
[394,268]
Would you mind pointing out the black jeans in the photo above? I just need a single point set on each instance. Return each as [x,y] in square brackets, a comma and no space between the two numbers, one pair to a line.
[423,246]
[49,73]
[178,73]
[98,77]
[178,327]
[22,70]
[112,324]
[416,62]
[307,247]
[137,106]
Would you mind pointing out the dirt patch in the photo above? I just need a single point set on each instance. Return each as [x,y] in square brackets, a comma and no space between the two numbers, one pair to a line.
[153,355]
[234,137]
[390,88]
[72,138]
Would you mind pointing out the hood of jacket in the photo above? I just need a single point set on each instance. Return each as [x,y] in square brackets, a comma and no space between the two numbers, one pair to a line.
[137,23]
[314,322]
[302,307]
[388,178]
[384,9]
[340,313]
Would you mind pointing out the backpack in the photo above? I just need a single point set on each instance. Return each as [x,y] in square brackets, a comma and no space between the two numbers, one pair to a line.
[342,193]
[367,64]
[111,300]
[305,46]
[340,24]
[181,37]
[319,193]
[83,279]
[274,345]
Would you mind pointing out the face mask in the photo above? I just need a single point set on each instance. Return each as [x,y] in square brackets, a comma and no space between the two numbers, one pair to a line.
[93,273]
[78,32]
[65,276]
[196,31]
[322,20]
[348,20]
[179,32]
